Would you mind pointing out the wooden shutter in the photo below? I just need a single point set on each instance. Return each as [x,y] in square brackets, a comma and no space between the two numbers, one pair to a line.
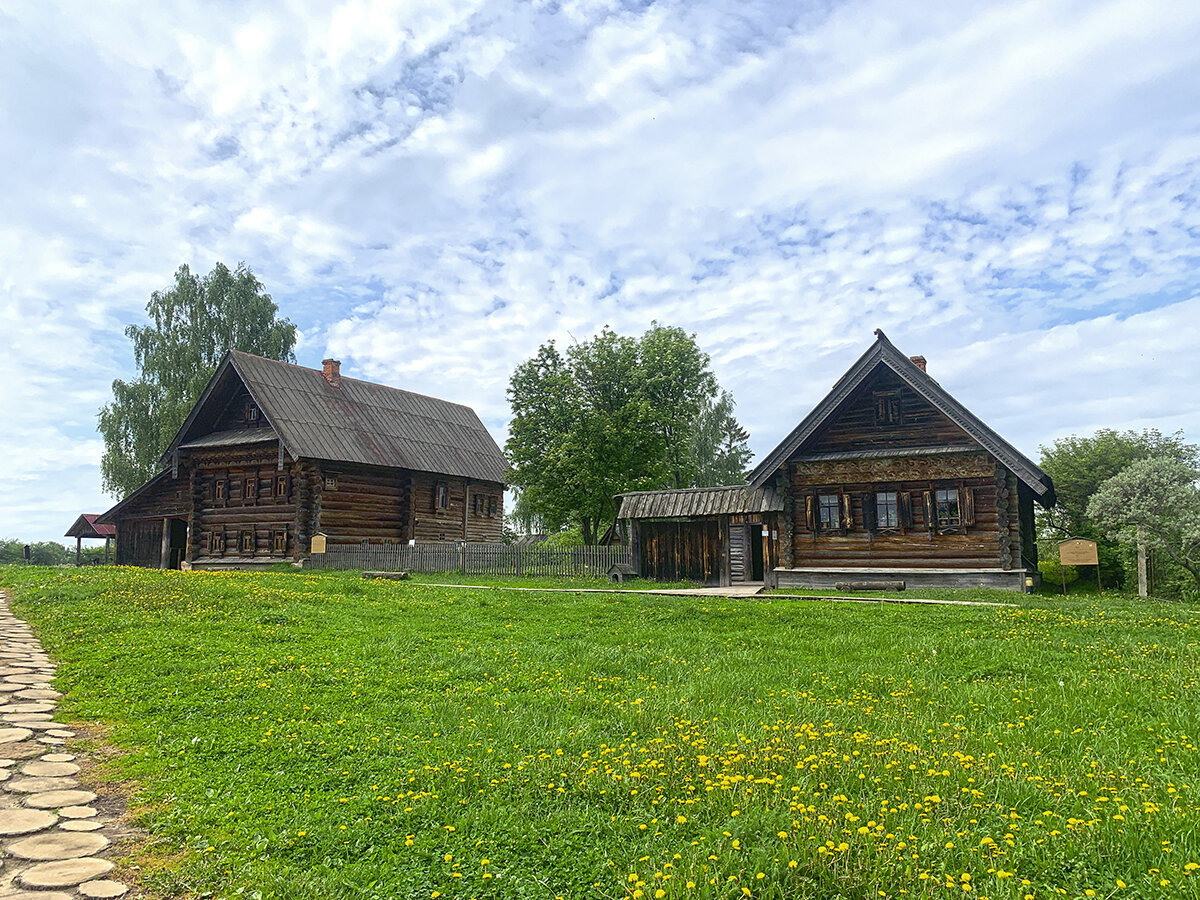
[930,511]
[847,513]
[968,511]
[870,516]
[810,511]
[904,504]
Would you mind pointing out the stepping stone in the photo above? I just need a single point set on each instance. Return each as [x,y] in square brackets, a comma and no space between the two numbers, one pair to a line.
[80,825]
[5,763]
[65,873]
[27,785]
[51,742]
[8,735]
[39,726]
[52,757]
[103,888]
[25,821]
[5,774]
[59,800]
[36,895]
[42,769]
[60,733]
[77,812]
[58,845]
[34,706]
[37,694]
[23,750]
[26,679]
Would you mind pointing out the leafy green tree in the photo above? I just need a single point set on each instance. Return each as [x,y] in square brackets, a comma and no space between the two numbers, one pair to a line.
[612,414]
[1158,501]
[41,553]
[1079,465]
[192,324]
[720,450]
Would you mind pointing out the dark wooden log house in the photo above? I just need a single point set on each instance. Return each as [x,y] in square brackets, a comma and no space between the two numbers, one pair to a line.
[273,454]
[889,479]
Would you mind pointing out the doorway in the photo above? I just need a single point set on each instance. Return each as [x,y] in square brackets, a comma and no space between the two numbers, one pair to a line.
[176,542]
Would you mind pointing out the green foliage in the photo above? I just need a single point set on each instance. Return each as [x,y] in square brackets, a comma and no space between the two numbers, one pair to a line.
[1054,573]
[720,448]
[1157,501]
[1078,466]
[568,537]
[41,553]
[306,735]
[612,414]
[193,323]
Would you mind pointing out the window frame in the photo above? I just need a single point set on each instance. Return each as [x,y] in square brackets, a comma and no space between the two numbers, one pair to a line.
[247,541]
[882,505]
[948,525]
[281,486]
[821,507]
[250,488]
[889,408]
[441,495]
[279,541]
[220,490]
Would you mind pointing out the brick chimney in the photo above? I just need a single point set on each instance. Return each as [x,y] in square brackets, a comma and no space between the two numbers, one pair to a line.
[332,370]
[918,361]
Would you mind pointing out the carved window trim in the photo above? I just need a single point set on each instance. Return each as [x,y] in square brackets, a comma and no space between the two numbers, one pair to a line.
[889,408]
[250,488]
[281,487]
[246,542]
[279,541]
[220,491]
[216,543]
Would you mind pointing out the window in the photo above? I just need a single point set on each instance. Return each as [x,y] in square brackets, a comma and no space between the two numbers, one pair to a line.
[251,411]
[827,512]
[491,506]
[279,541]
[479,498]
[441,496]
[887,509]
[216,543]
[251,490]
[887,408]
[947,512]
[331,482]
[219,489]
[247,542]
[281,485]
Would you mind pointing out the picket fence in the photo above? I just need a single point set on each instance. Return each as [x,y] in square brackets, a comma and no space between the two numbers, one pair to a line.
[474,559]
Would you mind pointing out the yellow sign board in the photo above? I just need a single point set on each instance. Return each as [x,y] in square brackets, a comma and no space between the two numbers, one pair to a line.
[1078,552]
[318,543]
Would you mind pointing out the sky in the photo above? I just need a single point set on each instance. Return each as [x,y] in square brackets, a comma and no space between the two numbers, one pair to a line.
[431,190]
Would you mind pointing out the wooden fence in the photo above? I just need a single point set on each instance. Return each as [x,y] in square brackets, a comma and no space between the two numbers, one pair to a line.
[474,559]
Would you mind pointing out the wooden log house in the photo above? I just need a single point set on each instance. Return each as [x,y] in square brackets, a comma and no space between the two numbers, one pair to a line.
[273,454]
[889,479]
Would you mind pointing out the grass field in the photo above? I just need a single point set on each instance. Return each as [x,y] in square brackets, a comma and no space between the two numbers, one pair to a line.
[315,735]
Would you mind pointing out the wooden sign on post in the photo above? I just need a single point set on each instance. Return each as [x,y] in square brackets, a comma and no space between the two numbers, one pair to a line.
[1079,552]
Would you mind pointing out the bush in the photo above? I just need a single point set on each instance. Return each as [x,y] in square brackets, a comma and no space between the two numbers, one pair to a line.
[571,537]
[1054,572]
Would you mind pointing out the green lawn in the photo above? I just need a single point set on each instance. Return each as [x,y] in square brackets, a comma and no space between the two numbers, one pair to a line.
[318,736]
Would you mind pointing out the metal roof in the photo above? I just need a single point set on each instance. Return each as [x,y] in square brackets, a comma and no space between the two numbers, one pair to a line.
[85,527]
[883,352]
[699,502]
[232,438]
[357,421]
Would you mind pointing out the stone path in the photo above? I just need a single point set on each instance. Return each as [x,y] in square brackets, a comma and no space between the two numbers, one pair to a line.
[52,837]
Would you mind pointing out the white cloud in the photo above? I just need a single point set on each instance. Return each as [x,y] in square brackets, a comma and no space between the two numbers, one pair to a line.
[432,189]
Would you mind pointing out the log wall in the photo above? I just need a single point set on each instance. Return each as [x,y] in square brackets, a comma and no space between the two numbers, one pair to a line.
[993,540]
[250,504]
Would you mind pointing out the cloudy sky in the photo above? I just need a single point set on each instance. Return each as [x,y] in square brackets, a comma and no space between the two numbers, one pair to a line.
[432,189]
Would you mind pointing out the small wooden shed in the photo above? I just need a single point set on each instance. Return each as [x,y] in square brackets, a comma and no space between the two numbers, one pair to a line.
[87,527]
[715,535]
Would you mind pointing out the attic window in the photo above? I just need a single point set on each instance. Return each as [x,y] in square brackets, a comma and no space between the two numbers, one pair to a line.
[331,482]
[887,408]
[251,411]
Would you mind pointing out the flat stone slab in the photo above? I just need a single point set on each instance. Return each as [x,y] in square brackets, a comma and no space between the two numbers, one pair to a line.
[64,873]
[80,825]
[37,694]
[41,785]
[23,749]
[57,757]
[60,733]
[30,706]
[58,845]
[43,769]
[36,895]
[59,799]
[104,888]
[25,821]
[27,679]
[51,742]
[77,812]
[9,735]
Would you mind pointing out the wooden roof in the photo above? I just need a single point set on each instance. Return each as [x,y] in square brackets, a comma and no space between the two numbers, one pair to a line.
[86,527]
[884,353]
[355,422]
[699,502]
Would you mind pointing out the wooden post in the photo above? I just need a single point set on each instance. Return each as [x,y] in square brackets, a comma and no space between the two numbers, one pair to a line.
[165,555]
[78,550]
[107,545]
[1143,579]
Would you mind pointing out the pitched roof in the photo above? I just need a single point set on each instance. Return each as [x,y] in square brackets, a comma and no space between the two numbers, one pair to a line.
[884,353]
[85,527]
[357,422]
[710,501]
